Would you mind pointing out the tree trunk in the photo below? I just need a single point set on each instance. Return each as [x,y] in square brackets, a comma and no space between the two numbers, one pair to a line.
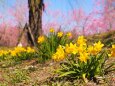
[35,18]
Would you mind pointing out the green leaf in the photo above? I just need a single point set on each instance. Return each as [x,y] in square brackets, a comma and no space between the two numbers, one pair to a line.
[67,73]
[77,65]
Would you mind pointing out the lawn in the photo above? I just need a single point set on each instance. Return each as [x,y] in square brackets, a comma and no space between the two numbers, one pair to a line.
[38,67]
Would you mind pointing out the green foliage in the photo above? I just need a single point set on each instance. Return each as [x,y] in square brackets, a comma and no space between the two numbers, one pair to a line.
[49,46]
[17,54]
[9,63]
[18,76]
[23,56]
[95,66]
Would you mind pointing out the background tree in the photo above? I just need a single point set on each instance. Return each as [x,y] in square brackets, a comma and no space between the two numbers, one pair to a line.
[35,18]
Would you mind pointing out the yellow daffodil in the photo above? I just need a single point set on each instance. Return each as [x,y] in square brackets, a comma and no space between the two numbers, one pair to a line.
[71,48]
[92,50]
[84,56]
[30,50]
[17,50]
[41,39]
[59,55]
[69,34]
[60,34]
[3,52]
[113,51]
[52,30]
[13,53]
[81,48]
[98,46]
[81,40]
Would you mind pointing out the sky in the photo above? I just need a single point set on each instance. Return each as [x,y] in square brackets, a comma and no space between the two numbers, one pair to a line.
[87,5]
[66,5]
[61,5]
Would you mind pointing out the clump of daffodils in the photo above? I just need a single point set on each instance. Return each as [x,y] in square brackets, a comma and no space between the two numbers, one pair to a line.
[82,60]
[4,52]
[80,48]
[16,51]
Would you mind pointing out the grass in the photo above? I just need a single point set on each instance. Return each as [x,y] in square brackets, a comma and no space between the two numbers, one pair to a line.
[107,38]
[29,72]
[33,73]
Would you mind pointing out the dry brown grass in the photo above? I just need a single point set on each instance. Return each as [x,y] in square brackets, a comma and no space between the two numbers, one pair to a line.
[107,38]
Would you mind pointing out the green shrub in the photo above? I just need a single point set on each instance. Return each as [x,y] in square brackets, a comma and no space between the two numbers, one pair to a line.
[47,45]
